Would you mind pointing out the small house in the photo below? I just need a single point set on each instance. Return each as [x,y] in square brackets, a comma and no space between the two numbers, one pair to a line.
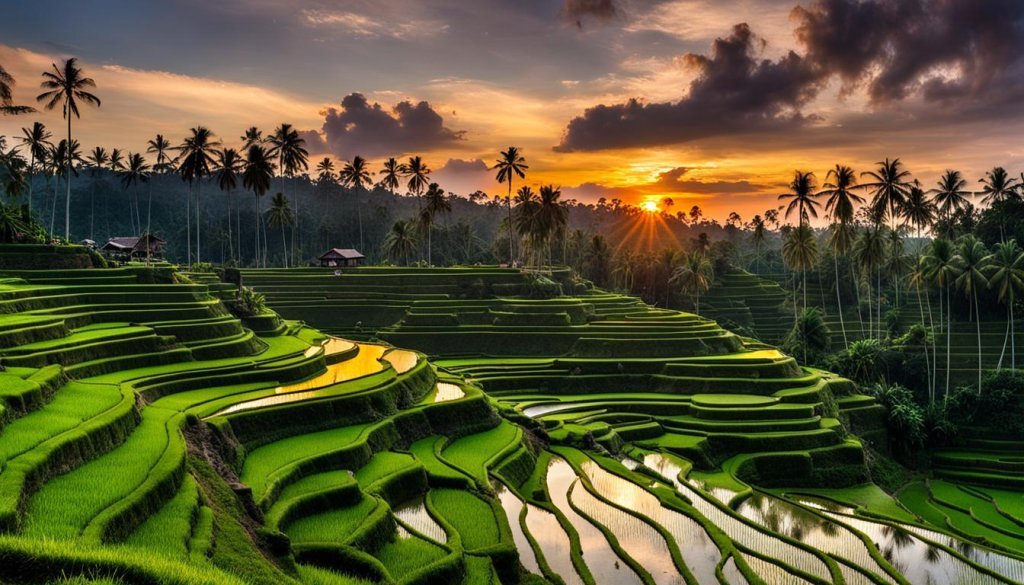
[341,258]
[134,247]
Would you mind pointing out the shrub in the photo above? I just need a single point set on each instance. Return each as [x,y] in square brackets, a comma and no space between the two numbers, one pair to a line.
[248,303]
[203,267]
[542,287]
[906,418]
[810,337]
[996,408]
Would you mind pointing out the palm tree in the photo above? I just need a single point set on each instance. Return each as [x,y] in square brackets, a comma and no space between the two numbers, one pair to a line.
[325,171]
[998,186]
[229,166]
[67,86]
[292,157]
[802,197]
[435,203]
[36,140]
[1006,275]
[525,221]
[259,170]
[918,210]
[695,273]
[800,252]
[280,216]
[136,170]
[918,278]
[418,175]
[951,193]
[63,159]
[869,252]
[758,233]
[400,241]
[7,106]
[160,146]
[889,187]
[552,215]
[510,165]
[356,176]
[252,135]
[390,173]
[944,268]
[838,187]
[197,152]
[973,266]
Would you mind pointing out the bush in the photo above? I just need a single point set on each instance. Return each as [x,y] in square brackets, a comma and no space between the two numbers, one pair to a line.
[248,303]
[542,287]
[996,408]
[906,418]
[810,338]
[203,267]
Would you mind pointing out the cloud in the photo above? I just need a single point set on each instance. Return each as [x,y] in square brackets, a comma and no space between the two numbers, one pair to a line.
[394,26]
[674,181]
[315,143]
[370,130]
[953,51]
[464,176]
[734,92]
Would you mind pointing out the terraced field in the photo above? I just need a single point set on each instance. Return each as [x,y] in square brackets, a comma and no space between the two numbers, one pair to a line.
[149,436]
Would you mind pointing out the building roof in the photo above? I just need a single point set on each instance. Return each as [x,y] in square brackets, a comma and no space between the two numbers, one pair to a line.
[346,253]
[129,243]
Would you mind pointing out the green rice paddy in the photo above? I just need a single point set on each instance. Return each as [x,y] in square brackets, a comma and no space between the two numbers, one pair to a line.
[148,436]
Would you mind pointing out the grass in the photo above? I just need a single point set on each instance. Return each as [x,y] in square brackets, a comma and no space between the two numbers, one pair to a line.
[331,525]
[406,554]
[168,531]
[472,517]
[474,452]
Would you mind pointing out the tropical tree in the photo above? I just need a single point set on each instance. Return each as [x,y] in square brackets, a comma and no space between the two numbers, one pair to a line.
[356,176]
[435,202]
[400,242]
[889,186]
[161,147]
[838,188]
[525,222]
[998,187]
[390,175]
[136,171]
[758,234]
[67,86]
[918,211]
[919,279]
[552,215]
[97,162]
[292,158]
[280,216]
[695,274]
[800,252]
[37,140]
[63,161]
[7,106]
[197,161]
[801,195]
[950,193]
[259,171]
[417,174]
[869,252]
[944,268]
[974,260]
[1006,275]
[510,165]
[251,136]
[325,171]
[228,170]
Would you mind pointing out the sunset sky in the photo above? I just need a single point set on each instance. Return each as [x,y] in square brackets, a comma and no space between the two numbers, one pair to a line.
[713,102]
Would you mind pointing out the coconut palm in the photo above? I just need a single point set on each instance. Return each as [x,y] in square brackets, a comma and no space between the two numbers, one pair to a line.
[67,86]
[256,177]
[400,241]
[356,177]
[435,202]
[63,158]
[943,268]
[280,216]
[229,167]
[7,106]
[552,215]
[252,135]
[695,273]
[292,158]
[1006,275]
[974,260]
[800,252]
[889,186]
[197,161]
[525,221]
[950,193]
[998,186]
[37,140]
[390,175]
[161,147]
[325,171]
[918,279]
[838,187]
[418,175]
[758,233]
[801,197]
[136,171]
[869,252]
[510,165]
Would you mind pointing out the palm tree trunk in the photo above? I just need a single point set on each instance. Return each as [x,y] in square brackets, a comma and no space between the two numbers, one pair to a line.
[508,203]
[839,303]
[199,196]
[231,238]
[1013,337]
[31,182]
[53,205]
[977,322]
[188,222]
[67,198]
[856,290]
[878,305]
[949,339]
[284,246]
[430,244]
[927,362]
[1006,340]
[256,231]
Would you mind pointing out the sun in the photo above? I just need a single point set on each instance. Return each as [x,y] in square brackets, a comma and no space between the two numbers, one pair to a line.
[650,206]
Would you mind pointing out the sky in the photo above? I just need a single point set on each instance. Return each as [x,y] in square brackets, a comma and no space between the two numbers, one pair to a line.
[708,102]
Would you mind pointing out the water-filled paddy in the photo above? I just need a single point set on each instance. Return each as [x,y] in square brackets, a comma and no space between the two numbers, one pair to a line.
[414,513]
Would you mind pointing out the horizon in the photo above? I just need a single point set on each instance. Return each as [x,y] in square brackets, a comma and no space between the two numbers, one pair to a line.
[731,102]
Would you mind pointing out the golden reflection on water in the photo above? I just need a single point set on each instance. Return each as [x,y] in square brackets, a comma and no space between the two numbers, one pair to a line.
[447,391]
[402,360]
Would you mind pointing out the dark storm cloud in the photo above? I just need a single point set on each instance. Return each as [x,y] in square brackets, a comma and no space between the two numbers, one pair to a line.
[458,165]
[733,92]
[952,50]
[360,127]
[315,142]
[948,60]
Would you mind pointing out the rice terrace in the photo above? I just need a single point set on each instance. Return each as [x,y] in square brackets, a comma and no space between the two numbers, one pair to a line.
[280,305]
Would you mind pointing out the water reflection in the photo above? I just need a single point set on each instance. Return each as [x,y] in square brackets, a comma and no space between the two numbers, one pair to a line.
[553,542]
[698,550]
[447,391]
[513,507]
[599,556]
[732,574]
[1002,564]
[772,573]
[402,360]
[414,513]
